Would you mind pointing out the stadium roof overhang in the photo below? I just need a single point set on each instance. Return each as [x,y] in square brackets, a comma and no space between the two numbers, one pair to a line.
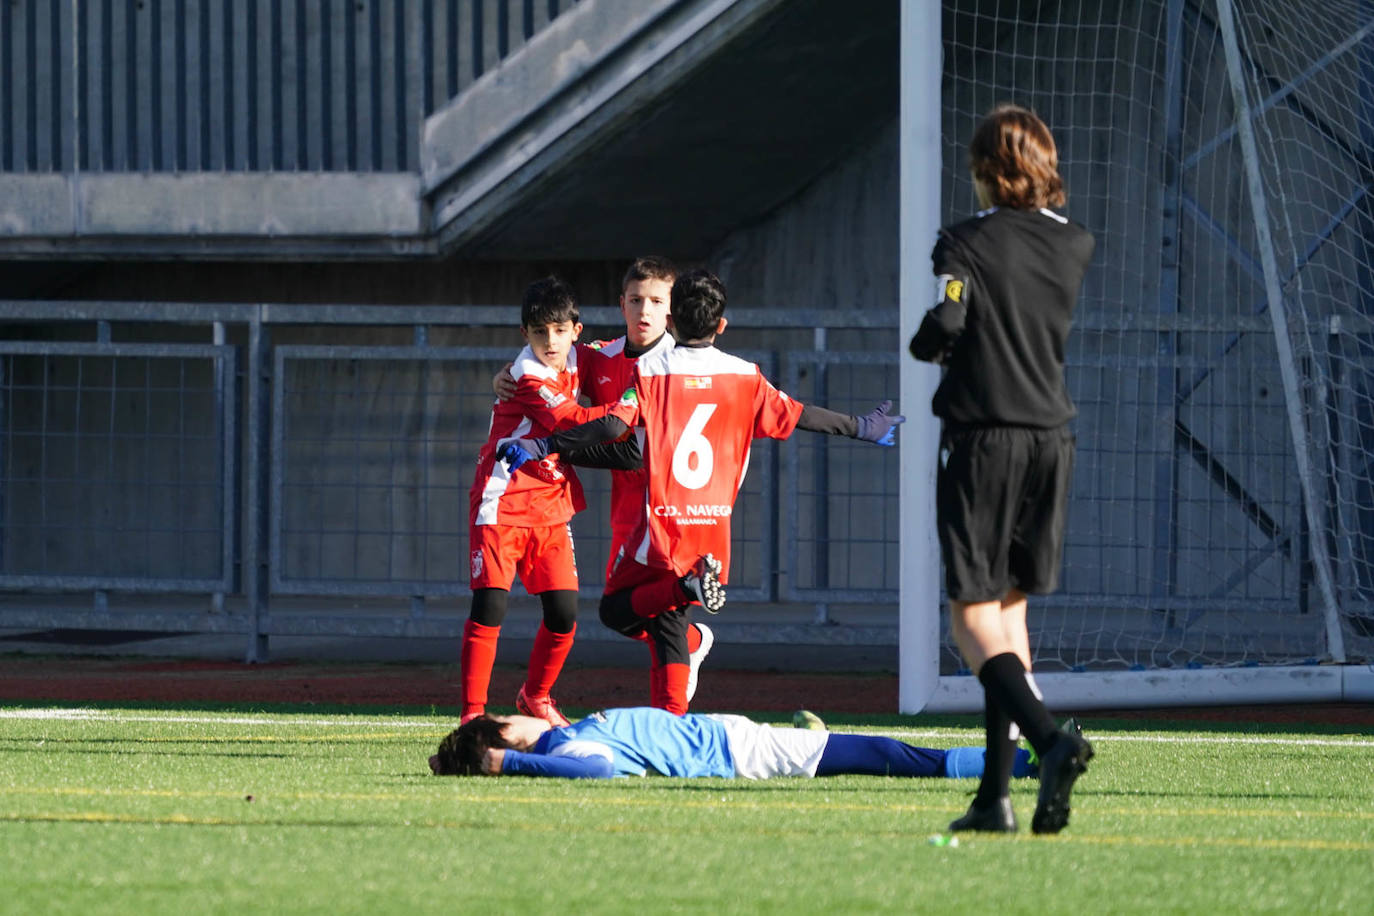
[661,125]
[702,122]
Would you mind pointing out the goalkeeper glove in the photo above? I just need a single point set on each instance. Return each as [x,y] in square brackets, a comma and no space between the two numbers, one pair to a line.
[878,427]
[516,452]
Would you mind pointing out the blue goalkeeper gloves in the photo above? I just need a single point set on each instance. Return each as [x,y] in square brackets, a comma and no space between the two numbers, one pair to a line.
[516,452]
[878,427]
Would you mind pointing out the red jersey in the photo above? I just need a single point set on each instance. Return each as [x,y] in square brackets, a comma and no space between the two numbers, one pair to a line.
[701,409]
[539,493]
[606,374]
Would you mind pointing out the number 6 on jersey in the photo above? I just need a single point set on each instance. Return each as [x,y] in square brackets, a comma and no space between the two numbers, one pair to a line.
[693,458]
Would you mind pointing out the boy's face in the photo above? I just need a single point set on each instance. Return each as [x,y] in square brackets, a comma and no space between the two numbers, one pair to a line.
[644,303]
[551,342]
[522,731]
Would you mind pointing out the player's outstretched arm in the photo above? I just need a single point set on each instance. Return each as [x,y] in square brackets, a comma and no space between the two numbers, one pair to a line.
[877,426]
[516,452]
[621,455]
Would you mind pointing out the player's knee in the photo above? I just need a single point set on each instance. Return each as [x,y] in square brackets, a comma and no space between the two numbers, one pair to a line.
[560,610]
[617,613]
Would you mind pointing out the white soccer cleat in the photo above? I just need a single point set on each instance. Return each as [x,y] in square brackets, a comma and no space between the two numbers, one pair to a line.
[694,660]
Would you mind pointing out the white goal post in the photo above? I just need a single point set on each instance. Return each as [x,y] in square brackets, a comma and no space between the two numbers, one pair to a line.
[1220,546]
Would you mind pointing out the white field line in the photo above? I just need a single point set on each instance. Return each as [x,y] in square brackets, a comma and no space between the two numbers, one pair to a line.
[99,715]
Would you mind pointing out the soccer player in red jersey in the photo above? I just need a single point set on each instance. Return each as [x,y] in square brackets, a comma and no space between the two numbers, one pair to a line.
[605,369]
[518,519]
[700,409]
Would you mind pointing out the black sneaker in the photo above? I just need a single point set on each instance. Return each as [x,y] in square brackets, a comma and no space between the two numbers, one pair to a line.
[996,818]
[702,584]
[1061,766]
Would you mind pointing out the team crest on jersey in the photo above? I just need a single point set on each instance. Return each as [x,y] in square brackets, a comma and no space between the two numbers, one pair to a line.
[476,563]
[630,396]
[552,398]
[696,382]
[954,289]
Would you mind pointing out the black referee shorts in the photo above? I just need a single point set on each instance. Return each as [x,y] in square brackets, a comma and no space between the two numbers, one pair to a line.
[1001,502]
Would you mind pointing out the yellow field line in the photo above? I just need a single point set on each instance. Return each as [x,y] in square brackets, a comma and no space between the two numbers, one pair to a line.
[109,817]
[600,800]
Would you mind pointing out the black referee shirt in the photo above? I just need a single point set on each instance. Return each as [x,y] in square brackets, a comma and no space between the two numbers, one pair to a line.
[1002,341]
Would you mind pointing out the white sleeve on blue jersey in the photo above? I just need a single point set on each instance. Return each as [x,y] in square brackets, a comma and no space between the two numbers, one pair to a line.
[582,748]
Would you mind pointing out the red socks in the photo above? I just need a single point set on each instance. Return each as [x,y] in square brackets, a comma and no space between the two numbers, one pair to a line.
[549,652]
[477,657]
[674,680]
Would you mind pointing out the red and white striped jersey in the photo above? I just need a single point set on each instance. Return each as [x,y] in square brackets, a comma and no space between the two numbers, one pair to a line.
[701,409]
[539,493]
[606,373]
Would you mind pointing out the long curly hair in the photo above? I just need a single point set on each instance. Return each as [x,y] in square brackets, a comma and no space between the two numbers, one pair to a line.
[1013,154]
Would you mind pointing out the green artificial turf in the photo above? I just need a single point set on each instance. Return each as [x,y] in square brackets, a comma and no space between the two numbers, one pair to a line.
[199,811]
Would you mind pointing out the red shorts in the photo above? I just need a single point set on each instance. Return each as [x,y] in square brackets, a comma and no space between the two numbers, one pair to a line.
[542,557]
[630,573]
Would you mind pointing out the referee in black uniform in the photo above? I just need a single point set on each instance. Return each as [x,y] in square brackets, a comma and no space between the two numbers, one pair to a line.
[1009,279]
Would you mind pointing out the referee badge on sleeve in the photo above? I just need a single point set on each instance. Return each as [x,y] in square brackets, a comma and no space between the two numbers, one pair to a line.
[948,287]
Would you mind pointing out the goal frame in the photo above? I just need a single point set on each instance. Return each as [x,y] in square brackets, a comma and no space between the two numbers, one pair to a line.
[921,686]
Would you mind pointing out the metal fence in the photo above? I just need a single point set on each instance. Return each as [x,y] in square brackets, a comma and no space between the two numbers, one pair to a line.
[327,452]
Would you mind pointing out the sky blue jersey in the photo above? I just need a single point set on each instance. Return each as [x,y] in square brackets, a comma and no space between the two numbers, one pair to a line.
[639,740]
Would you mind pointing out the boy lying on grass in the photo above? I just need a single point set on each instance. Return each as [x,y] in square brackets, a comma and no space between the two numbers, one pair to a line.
[644,740]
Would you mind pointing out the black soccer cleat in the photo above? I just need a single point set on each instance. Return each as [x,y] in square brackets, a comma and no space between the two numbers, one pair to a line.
[996,818]
[1060,767]
[702,584]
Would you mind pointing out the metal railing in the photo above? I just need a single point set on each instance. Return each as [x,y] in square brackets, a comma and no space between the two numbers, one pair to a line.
[325,452]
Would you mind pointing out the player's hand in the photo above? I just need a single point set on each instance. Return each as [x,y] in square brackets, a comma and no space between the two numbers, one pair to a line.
[515,452]
[878,426]
[502,384]
[492,758]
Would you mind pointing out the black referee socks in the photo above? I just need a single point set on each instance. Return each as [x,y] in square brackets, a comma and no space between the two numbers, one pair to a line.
[1006,683]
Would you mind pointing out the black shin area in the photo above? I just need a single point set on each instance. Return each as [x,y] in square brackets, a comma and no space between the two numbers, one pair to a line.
[618,614]
[1000,754]
[668,636]
[489,606]
[1005,682]
[560,610]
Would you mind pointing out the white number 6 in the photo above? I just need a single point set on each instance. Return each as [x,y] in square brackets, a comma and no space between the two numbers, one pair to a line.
[694,444]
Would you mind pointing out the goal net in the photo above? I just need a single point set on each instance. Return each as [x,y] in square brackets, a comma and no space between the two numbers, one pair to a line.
[1222,518]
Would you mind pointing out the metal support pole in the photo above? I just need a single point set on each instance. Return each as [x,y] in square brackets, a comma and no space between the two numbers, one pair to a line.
[1164,549]
[1297,426]
[820,547]
[256,528]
